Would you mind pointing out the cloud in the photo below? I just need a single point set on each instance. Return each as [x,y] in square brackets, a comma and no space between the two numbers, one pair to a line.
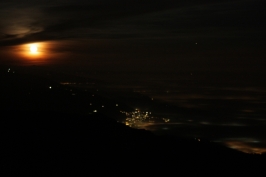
[54,20]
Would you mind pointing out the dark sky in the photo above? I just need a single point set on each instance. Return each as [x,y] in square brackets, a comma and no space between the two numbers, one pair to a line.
[156,35]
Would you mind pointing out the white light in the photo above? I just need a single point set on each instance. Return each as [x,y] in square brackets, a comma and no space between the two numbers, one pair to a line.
[33,48]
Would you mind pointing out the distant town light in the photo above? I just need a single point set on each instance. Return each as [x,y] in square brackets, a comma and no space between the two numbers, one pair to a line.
[95,110]
[116,105]
[50,87]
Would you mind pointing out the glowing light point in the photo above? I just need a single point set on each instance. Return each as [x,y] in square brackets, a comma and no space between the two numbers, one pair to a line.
[33,48]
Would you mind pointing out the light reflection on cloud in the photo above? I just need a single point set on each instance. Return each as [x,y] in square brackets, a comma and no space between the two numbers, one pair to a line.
[153,126]
[245,147]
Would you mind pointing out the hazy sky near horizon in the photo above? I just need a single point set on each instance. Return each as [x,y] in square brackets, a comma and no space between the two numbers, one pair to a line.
[124,35]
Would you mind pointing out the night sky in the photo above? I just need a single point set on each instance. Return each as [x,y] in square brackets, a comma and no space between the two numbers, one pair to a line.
[153,35]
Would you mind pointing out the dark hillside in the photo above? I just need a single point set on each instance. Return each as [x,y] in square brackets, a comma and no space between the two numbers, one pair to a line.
[49,131]
[42,143]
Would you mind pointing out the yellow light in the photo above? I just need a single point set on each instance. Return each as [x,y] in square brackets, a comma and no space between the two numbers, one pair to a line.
[33,48]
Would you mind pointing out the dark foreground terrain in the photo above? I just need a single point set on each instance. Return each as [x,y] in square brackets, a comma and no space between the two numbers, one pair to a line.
[50,132]
[51,143]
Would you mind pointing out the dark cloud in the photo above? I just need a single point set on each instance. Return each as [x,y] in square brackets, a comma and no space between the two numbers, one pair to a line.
[50,20]
[230,34]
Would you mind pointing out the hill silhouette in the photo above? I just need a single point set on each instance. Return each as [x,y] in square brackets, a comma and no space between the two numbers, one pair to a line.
[45,143]
[51,132]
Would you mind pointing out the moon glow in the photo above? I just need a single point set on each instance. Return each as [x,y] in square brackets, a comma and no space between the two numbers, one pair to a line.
[33,48]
